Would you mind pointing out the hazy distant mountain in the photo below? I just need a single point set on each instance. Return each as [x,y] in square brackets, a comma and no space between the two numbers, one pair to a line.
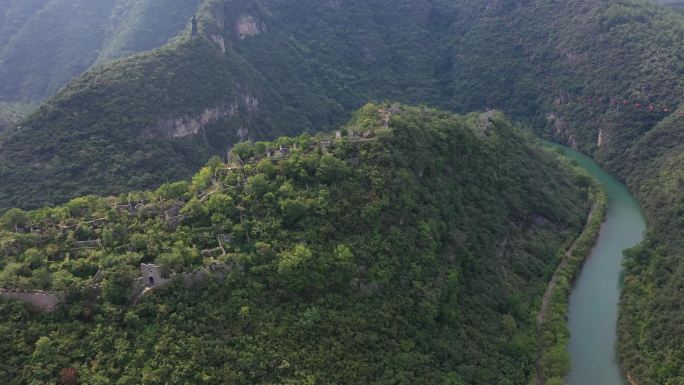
[45,43]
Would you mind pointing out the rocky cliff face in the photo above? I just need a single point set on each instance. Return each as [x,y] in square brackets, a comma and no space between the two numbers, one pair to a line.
[247,26]
[187,125]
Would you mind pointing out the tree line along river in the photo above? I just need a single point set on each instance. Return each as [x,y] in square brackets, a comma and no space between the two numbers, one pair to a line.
[593,302]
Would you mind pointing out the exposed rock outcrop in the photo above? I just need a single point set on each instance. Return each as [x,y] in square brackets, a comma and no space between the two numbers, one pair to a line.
[218,40]
[561,129]
[247,26]
[251,102]
[186,125]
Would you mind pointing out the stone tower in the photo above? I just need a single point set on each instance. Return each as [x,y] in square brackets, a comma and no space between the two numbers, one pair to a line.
[195,31]
[151,275]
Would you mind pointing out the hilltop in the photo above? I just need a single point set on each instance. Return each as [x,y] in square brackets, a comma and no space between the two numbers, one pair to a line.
[414,245]
[605,77]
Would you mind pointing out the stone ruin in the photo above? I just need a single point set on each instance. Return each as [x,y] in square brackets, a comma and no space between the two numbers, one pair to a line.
[195,30]
[151,275]
[40,300]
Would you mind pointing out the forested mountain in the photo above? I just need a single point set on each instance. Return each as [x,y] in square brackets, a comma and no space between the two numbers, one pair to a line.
[45,43]
[604,76]
[412,249]
[284,71]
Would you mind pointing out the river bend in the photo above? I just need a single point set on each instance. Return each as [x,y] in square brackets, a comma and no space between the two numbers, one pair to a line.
[593,303]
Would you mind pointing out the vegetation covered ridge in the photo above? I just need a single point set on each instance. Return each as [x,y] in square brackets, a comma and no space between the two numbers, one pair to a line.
[12,113]
[296,67]
[565,68]
[651,319]
[44,44]
[130,137]
[553,362]
[412,248]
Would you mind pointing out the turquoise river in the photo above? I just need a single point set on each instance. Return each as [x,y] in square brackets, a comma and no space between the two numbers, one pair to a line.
[593,306]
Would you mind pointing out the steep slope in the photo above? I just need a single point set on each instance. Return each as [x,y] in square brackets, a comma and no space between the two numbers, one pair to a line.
[11,114]
[300,70]
[598,75]
[624,108]
[45,43]
[142,121]
[287,71]
[652,322]
[413,249]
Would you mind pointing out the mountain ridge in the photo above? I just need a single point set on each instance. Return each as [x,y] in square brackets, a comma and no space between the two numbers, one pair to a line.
[585,73]
[45,44]
[382,254]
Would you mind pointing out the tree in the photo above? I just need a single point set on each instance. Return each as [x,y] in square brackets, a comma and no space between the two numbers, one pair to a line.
[291,260]
[243,151]
[116,284]
[14,218]
[258,185]
[331,169]
[195,210]
[173,190]
[202,180]
[260,148]
[293,210]
[221,208]
[107,238]
[292,266]
[45,359]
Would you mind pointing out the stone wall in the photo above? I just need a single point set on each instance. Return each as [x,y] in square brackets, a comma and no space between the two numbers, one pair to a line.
[46,301]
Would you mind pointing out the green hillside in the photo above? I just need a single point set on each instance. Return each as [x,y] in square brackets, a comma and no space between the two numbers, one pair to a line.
[293,71]
[603,76]
[45,43]
[12,113]
[282,78]
[651,319]
[636,57]
[414,249]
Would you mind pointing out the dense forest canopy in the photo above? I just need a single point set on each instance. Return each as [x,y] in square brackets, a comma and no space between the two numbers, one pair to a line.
[413,249]
[606,77]
[285,71]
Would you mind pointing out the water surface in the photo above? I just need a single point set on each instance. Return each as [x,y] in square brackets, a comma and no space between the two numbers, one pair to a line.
[593,307]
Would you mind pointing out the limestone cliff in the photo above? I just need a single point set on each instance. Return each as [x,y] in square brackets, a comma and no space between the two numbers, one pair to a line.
[189,125]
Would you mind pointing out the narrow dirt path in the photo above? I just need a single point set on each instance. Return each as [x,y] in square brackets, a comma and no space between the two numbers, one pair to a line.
[554,279]
[550,288]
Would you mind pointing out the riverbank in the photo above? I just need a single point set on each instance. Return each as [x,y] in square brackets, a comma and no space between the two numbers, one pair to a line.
[553,360]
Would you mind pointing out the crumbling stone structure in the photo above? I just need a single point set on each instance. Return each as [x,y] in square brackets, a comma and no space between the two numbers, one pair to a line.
[41,300]
[151,275]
